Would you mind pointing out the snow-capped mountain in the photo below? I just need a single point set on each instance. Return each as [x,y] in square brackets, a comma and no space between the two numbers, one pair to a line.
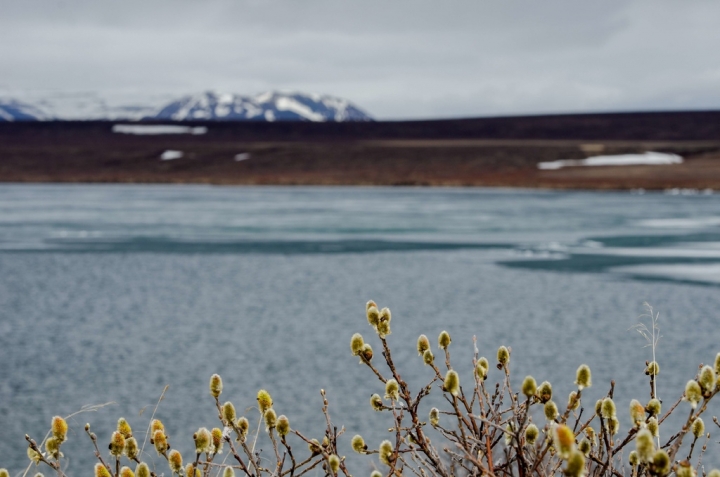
[13,110]
[270,106]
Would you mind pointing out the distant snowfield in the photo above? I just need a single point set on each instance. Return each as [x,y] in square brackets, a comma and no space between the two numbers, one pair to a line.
[646,159]
[154,129]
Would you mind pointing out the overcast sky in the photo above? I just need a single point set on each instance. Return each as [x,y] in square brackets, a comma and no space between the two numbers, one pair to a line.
[394,58]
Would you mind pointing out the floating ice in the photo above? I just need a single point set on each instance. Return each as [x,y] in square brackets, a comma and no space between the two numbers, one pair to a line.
[646,159]
[169,155]
[153,129]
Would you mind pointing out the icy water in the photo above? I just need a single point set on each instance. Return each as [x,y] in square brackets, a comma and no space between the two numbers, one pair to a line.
[108,293]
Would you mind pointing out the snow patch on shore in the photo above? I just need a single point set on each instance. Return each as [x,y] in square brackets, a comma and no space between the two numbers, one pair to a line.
[156,129]
[646,159]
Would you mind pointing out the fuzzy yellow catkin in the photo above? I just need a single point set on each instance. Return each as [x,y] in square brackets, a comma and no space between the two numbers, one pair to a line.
[529,386]
[131,448]
[123,427]
[685,469]
[434,417]
[392,390]
[428,357]
[160,442]
[33,455]
[358,444]
[564,440]
[503,356]
[283,425]
[192,471]
[217,440]
[126,472]
[698,428]
[216,385]
[480,371]
[575,464]
[385,452]
[613,425]
[4,473]
[585,447]
[270,419]
[693,393]
[653,407]
[334,462]
[101,471]
[367,352]
[376,473]
[607,409]
[59,428]
[264,400]
[142,470]
[583,377]
[653,369]
[423,344]
[156,425]
[531,434]
[544,392]
[707,380]
[717,363]
[385,314]
[590,434]
[175,461]
[551,411]
[373,314]
[52,446]
[229,472]
[376,402]
[633,458]
[644,446]
[356,344]
[452,382]
[228,413]
[383,326]
[314,447]
[483,361]
[444,340]
[637,412]
[203,440]
[661,463]
[653,426]
[117,444]
[509,433]
[714,473]
[242,426]
[573,401]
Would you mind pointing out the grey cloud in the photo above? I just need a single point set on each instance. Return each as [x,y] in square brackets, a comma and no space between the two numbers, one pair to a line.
[399,59]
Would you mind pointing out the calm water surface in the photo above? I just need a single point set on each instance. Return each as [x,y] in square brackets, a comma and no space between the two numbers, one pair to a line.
[109,293]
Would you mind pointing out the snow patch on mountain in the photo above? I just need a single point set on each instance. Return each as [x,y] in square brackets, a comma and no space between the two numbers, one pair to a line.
[269,106]
[13,110]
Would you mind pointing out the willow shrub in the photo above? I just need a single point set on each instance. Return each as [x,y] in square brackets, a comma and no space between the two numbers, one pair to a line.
[481,429]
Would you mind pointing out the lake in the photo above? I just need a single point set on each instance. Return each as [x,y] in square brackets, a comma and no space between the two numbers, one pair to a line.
[111,292]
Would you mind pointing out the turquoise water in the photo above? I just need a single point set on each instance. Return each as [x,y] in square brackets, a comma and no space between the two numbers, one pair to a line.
[109,292]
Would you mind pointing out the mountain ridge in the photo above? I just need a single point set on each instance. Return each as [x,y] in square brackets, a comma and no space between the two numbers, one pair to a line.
[209,105]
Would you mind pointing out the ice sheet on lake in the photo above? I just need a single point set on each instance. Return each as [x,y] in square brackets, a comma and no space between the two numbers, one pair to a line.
[646,159]
[155,129]
[682,223]
[706,273]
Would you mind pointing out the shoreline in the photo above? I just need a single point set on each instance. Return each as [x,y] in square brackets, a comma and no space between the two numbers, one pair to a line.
[489,152]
